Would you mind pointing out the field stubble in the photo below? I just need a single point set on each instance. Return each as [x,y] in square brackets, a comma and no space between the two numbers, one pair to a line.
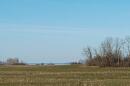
[69,75]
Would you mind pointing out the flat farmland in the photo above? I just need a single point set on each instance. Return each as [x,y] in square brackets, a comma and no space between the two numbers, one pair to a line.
[65,75]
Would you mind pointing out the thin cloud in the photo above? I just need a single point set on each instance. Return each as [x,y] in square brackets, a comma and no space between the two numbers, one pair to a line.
[62,30]
[42,29]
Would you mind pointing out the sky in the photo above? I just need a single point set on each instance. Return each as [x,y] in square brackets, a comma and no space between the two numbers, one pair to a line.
[56,31]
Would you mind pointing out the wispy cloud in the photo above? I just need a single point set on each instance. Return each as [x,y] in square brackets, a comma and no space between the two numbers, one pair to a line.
[42,28]
[63,30]
[15,27]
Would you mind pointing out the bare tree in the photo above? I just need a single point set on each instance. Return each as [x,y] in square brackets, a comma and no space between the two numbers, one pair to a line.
[110,53]
[118,51]
[127,48]
[127,40]
[88,52]
[12,61]
[107,46]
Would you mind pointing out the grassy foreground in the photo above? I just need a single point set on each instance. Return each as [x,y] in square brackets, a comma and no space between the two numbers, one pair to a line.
[74,75]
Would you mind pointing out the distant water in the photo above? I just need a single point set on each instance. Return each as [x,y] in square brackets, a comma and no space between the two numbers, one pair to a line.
[49,63]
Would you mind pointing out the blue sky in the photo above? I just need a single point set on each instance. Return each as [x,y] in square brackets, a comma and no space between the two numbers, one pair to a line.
[57,30]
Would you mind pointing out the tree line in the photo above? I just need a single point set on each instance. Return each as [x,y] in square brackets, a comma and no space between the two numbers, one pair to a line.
[12,61]
[112,52]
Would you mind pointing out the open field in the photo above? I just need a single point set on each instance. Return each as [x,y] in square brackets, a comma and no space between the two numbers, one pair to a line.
[74,75]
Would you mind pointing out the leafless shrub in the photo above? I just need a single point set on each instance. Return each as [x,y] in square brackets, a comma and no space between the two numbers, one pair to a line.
[112,52]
